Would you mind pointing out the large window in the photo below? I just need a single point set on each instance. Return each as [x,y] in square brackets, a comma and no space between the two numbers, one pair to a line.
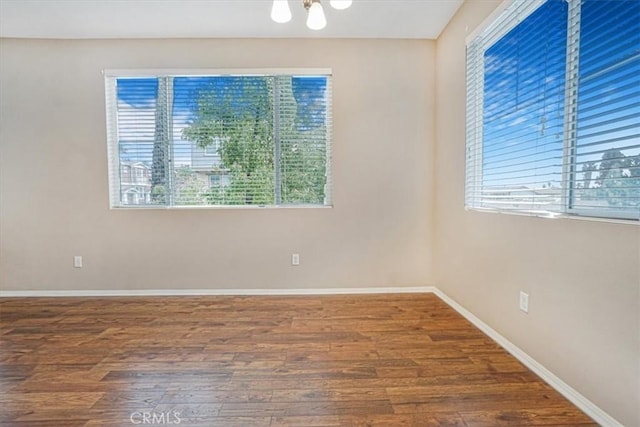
[218,139]
[553,109]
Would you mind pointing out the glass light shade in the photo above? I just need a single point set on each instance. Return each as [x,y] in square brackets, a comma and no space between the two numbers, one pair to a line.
[316,19]
[280,11]
[340,4]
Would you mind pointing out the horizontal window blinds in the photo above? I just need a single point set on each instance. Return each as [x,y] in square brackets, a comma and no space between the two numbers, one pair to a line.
[219,140]
[553,104]
[607,148]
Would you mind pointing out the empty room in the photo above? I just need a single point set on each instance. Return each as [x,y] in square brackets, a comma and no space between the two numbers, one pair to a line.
[320,213]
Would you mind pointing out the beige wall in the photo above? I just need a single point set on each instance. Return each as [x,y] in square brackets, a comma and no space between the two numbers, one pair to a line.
[53,174]
[583,277]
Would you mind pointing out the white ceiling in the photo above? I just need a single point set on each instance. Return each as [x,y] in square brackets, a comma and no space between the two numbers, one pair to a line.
[70,19]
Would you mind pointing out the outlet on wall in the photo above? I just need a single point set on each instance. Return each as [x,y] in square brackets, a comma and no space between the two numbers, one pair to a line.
[524,302]
[295,259]
[77,261]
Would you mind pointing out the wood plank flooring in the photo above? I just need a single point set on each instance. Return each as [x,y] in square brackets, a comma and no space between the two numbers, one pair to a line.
[357,360]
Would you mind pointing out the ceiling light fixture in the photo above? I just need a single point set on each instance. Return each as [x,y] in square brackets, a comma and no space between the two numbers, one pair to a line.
[316,20]
[315,14]
[280,11]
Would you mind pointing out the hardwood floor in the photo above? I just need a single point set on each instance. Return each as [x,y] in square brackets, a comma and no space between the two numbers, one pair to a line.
[374,360]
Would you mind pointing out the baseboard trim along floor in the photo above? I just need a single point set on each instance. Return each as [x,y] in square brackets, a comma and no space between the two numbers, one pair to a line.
[214,292]
[588,407]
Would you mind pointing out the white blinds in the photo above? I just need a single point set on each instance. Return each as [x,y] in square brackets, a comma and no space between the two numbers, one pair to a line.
[553,109]
[607,146]
[248,140]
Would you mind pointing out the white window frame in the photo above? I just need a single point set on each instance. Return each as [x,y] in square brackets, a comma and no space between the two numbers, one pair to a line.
[211,150]
[115,201]
[476,46]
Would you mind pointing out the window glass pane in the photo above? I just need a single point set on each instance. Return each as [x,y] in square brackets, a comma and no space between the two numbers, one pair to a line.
[607,179]
[235,113]
[303,154]
[523,113]
[136,111]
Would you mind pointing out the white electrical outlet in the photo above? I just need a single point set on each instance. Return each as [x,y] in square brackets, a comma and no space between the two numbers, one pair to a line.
[295,259]
[524,302]
[77,261]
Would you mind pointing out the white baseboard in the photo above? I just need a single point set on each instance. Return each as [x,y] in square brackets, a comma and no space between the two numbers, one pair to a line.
[587,406]
[215,292]
[592,410]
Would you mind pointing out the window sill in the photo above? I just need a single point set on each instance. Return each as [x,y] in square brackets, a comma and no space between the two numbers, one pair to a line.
[224,207]
[547,215]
